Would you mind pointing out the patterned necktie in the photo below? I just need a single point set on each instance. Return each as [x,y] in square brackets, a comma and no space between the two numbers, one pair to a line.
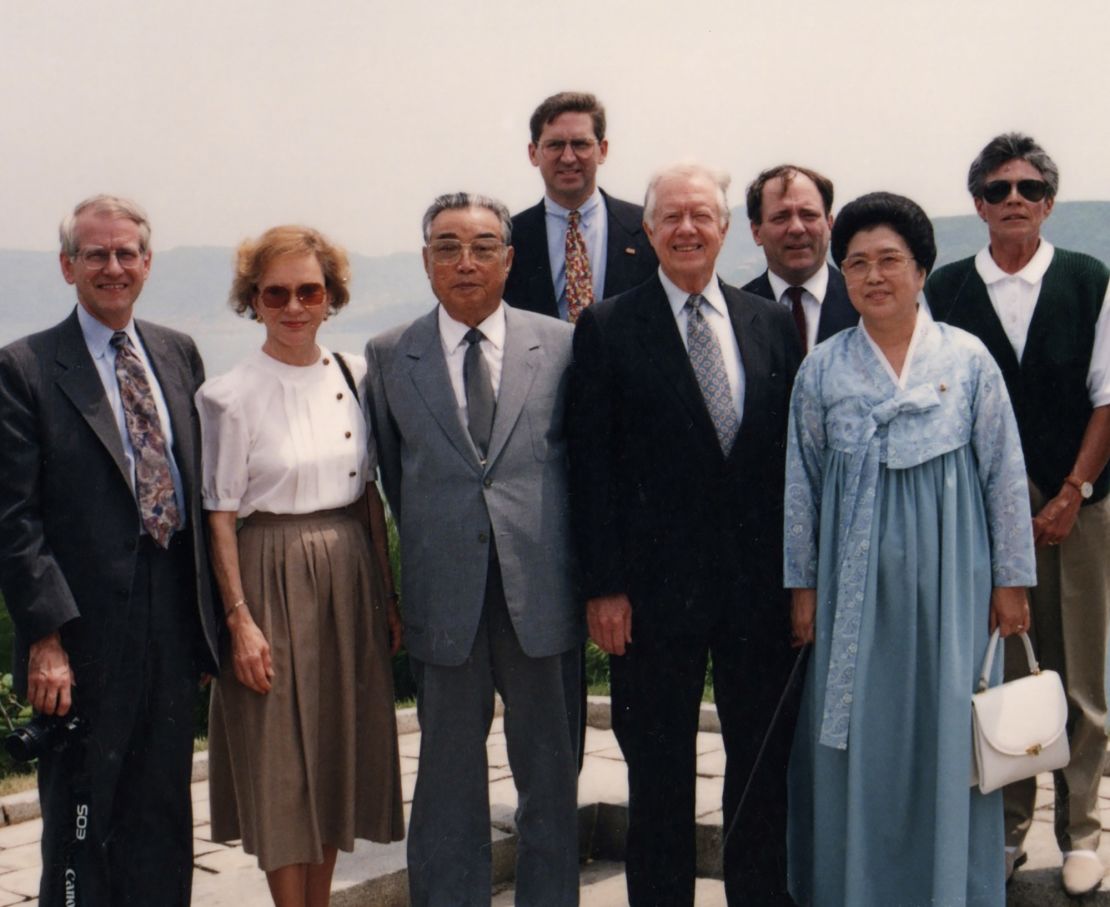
[580,282]
[153,482]
[799,313]
[479,393]
[709,369]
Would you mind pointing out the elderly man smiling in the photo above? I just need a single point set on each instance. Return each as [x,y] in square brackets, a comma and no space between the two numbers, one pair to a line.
[679,397]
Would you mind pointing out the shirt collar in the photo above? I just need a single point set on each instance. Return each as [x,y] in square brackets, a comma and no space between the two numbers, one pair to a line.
[1033,272]
[816,285]
[453,333]
[711,293]
[98,336]
[585,210]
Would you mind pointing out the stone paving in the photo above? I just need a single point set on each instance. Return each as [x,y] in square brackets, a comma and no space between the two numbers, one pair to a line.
[375,875]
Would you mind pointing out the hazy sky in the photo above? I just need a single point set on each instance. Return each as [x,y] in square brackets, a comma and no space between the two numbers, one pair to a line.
[224,117]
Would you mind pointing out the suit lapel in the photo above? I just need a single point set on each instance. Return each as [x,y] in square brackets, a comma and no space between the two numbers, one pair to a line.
[754,343]
[79,380]
[533,238]
[665,349]
[620,250]
[837,311]
[518,370]
[428,370]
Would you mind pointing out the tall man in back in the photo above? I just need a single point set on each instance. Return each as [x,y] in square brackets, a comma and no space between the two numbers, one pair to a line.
[679,396]
[467,408]
[104,569]
[579,244]
[1044,313]
[790,212]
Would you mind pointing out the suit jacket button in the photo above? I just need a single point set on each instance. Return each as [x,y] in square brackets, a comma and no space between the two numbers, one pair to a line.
[488,483]
[339,396]
[483,537]
[346,434]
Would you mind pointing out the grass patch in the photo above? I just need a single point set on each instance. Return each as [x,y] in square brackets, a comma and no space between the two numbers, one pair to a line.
[18,783]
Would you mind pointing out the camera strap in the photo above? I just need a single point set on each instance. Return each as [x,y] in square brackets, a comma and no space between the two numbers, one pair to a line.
[75,872]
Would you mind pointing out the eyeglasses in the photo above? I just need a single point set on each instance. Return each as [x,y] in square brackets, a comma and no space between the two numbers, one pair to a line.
[855,270]
[449,251]
[554,148]
[95,258]
[277,297]
[999,190]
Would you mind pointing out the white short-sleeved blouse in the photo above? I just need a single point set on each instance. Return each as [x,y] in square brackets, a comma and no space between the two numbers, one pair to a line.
[284,438]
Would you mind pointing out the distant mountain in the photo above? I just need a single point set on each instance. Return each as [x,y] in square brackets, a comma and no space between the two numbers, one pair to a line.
[188,286]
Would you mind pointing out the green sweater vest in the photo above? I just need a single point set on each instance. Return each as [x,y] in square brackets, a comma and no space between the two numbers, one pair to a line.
[1048,387]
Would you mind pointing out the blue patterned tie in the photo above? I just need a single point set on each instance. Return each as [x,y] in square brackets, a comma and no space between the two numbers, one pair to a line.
[153,482]
[709,369]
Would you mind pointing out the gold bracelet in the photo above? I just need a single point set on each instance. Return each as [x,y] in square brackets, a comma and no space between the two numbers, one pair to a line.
[239,604]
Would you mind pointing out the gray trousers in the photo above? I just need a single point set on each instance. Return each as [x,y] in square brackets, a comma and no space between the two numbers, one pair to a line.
[449,831]
[1070,607]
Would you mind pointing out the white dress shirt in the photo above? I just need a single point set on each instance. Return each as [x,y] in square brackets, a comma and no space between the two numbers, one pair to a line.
[813,295]
[593,224]
[1014,297]
[715,312]
[98,337]
[452,335]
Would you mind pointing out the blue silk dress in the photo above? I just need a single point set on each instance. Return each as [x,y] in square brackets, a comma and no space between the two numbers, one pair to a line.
[906,502]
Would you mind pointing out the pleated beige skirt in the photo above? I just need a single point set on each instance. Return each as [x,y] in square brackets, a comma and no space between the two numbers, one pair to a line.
[314,762]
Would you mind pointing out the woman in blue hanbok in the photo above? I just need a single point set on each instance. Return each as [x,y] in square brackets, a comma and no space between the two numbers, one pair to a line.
[907,539]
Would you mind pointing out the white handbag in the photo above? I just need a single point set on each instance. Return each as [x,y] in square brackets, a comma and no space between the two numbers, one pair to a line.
[1017,728]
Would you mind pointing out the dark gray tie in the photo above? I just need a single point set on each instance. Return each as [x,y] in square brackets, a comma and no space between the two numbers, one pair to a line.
[479,393]
[709,369]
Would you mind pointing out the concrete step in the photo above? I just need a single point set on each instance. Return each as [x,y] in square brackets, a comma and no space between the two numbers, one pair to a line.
[603,885]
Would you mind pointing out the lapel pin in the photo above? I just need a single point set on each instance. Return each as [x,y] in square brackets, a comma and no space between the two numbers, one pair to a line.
[628,250]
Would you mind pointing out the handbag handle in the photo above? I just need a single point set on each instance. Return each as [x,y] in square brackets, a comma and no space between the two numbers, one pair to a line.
[988,660]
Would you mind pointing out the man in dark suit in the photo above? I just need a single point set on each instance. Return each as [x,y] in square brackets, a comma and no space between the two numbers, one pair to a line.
[467,408]
[790,211]
[679,397]
[579,244]
[104,569]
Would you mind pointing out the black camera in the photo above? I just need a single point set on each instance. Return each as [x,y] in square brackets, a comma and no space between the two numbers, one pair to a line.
[44,733]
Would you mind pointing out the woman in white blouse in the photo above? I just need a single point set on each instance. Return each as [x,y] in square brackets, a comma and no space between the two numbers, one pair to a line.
[302,736]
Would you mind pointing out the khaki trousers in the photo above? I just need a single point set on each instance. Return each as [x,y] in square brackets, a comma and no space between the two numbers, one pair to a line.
[1070,607]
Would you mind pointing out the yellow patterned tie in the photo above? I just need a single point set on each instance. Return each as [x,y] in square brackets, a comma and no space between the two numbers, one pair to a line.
[153,482]
[580,283]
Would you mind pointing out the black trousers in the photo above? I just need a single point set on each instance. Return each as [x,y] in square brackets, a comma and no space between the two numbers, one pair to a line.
[656,694]
[117,811]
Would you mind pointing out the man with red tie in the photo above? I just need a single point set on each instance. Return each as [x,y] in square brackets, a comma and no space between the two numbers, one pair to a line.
[579,244]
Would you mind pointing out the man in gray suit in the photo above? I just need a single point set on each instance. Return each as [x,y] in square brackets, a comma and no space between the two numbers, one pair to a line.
[467,406]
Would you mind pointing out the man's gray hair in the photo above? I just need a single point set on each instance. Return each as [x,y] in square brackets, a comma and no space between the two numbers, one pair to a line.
[687,170]
[454,201]
[112,205]
[1011,146]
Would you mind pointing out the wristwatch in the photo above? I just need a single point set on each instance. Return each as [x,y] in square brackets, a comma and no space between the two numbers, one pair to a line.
[1085,489]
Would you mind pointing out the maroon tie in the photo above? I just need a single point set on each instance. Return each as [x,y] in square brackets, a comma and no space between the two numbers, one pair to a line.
[795,294]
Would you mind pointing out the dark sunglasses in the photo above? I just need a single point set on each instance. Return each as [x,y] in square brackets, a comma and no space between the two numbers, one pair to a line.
[277,297]
[999,190]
